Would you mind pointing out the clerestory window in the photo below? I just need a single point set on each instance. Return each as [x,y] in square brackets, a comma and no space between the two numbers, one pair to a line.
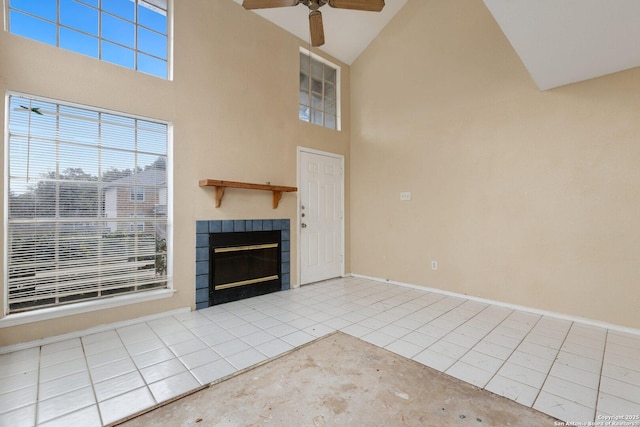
[319,96]
[129,33]
[70,234]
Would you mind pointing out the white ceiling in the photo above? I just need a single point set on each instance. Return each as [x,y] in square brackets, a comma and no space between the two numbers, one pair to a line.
[559,41]
[346,32]
[567,41]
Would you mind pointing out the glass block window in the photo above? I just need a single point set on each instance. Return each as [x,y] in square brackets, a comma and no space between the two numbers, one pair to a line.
[129,33]
[75,229]
[319,100]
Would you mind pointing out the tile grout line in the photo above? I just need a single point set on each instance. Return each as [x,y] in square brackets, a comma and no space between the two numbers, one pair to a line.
[37,402]
[512,351]
[551,366]
[93,388]
[604,351]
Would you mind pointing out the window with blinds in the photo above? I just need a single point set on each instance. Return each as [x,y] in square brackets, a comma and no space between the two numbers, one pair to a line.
[77,177]
[129,33]
[319,99]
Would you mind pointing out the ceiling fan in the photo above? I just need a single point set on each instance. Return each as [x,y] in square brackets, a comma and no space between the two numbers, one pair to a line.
[315,17]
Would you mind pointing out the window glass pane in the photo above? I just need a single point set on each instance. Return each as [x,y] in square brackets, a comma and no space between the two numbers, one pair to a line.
[42,8]
[45,196]
[146,162]
[152,17]
[330,121]
[316,101]
[304,81]
[78,126]
[36,125]
[19,150]
[153,66]
[77,163]
[304,97]
[79,17]
[21,200]
[330,106]
[122,8]
[316,68]
[116,165]
[316,86]
[117,134]
[42,159]
[151,142]
[33,28]
[329,74]
[78,42]
[78,200]
[329,91]
[316,117]
[304,63]
[303,113]
[118,30]
[118,55]
[152,43]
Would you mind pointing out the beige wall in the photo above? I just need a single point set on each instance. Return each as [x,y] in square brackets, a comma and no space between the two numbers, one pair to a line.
[522,196]
[233,104]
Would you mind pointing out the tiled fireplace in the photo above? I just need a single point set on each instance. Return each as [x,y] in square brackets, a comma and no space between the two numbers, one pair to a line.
[206,231]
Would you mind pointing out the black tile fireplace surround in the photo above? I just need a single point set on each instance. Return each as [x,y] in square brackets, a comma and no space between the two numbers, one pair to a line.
[207,228]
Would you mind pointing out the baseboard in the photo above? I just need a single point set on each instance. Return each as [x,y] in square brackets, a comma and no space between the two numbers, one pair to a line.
[89,331]
[562,316]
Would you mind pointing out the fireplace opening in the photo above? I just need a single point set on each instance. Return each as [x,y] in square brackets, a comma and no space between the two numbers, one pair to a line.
[243,265]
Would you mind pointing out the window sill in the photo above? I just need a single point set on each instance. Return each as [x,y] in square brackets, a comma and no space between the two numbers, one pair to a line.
[83,307]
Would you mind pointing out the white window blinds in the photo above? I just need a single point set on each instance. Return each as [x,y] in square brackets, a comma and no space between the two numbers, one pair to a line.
[72,172]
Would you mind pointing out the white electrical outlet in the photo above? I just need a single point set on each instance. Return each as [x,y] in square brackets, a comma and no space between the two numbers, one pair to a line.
[405,195]
[434,265]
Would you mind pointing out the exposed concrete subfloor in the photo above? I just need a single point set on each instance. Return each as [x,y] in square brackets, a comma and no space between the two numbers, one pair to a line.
[340,380]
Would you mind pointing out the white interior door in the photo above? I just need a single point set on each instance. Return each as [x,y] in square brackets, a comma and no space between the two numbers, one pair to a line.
[321,213]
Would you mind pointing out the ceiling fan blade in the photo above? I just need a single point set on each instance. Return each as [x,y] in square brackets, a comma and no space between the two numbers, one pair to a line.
[367,5]
[316,28]
[264,4]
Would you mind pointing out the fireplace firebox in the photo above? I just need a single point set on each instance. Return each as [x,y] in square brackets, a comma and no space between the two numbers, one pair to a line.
[243,265]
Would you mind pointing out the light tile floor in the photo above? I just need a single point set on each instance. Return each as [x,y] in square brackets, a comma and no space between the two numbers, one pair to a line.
[572,371]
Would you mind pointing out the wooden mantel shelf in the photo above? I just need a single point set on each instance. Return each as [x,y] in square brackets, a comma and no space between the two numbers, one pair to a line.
[220,186]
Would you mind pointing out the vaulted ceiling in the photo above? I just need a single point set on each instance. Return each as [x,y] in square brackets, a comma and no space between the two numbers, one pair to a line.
[559,41]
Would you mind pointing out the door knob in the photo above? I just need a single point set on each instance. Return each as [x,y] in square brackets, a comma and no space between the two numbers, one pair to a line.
[303,225]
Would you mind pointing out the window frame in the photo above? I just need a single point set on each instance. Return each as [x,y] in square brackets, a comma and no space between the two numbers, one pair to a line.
[99,37]
[338,69]
[136,194]
[8,319]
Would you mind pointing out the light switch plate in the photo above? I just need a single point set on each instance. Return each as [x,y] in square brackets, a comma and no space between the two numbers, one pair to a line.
[405,195]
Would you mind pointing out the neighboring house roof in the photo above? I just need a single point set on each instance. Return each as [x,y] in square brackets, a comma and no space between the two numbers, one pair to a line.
[148,177]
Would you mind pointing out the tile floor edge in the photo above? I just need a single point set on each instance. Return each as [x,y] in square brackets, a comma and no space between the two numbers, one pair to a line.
[561,316]
[90,331]
[225,378]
